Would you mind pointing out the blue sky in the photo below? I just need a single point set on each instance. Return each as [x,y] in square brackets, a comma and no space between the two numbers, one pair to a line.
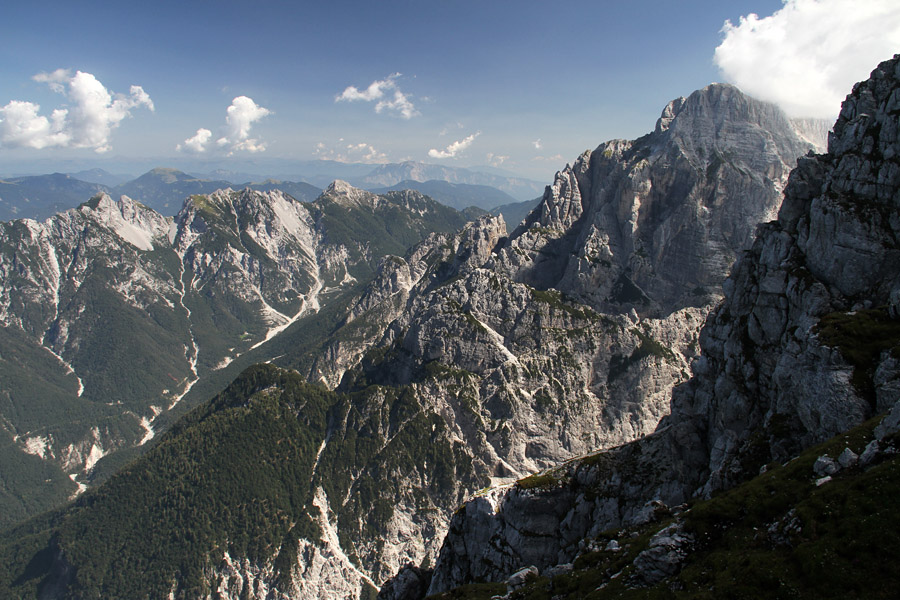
[524,85]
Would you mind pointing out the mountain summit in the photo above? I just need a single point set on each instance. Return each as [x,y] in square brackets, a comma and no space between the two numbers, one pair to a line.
[655,223]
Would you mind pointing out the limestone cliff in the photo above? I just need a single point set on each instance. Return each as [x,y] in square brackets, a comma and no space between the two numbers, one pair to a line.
[804,347]
[654,224]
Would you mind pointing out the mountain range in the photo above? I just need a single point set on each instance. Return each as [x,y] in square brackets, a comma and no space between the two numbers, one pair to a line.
[164,189]
[628,403]
[112,313]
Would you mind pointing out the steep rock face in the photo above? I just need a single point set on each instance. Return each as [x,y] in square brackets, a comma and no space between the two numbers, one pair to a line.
[803,348]
[789,348]
[526,375]
[650,223]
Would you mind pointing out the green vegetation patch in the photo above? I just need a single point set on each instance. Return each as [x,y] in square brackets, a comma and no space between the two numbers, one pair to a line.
[472,591]
[558,301]
[861,337]
[437,370]
[649,346]
[546,480]
[232,476]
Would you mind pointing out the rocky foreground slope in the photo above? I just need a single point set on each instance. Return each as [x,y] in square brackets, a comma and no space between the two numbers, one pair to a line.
[804,347]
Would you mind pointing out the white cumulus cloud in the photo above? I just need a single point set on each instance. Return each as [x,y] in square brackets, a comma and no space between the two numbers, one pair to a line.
[807,55]
[86,121]
[239,119]
[399,103]
[375,90]
[537,144]
[455,148]
[386,92]
[197,143]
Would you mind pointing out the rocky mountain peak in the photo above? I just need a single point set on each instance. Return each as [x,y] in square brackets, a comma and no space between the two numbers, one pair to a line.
[668,114]
[166,174]
[783,351]
[651,224]
[719,120]
[342,192]
[132,221]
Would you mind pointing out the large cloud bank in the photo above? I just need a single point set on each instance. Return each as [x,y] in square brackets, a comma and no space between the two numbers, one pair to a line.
[807,55]
[85,122]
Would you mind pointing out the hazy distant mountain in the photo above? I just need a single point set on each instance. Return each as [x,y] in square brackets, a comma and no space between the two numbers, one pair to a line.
[391,174]
[516,212]
[102,177]
[323,172]
[300,190]
[456,195]
[234,177]
[41,196]
[164,190]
